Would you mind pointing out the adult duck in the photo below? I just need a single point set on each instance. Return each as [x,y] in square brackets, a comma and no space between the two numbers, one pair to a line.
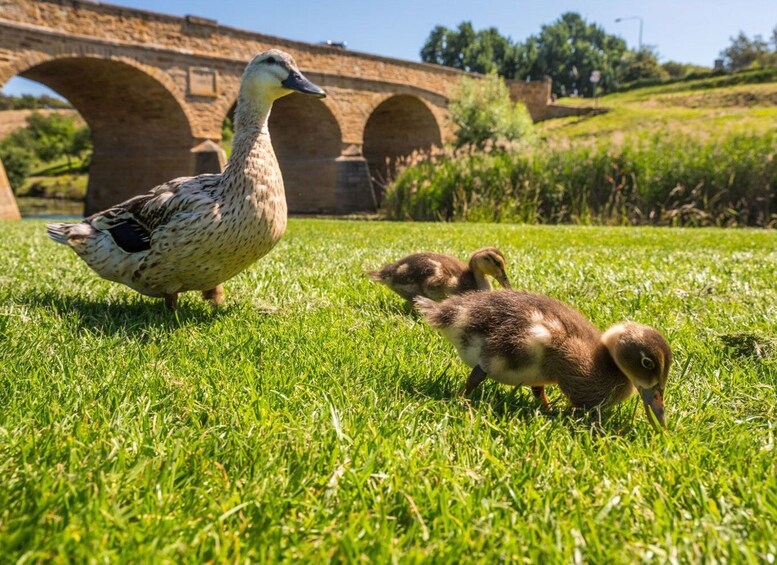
[194,233]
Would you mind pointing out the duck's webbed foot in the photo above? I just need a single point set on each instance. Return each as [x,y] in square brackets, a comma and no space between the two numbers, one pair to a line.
[215,295]
[476,377]
[171,301]
[539,394]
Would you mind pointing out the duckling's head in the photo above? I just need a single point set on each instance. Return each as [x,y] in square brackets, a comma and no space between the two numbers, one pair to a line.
[490,261]
[644,357]
[274,74]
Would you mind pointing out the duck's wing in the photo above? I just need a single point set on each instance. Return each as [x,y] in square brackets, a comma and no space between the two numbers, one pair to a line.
[132,223]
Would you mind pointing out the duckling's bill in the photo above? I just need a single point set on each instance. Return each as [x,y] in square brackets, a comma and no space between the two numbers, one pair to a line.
[297,81]
[653,399]
[503,280]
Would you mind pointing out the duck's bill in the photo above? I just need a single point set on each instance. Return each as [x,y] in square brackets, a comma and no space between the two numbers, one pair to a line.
[296,81]
[504,281]
[654,405]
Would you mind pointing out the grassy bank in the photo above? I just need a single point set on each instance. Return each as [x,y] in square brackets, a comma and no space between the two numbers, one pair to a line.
[651,179]
[314,417]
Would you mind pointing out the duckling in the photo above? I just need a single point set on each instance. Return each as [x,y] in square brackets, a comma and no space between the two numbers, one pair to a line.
[437,276]
[194,233]
[522,338]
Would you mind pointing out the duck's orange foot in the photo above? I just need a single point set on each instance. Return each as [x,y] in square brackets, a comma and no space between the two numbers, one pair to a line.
[539,393]
[171,301]
[215,295]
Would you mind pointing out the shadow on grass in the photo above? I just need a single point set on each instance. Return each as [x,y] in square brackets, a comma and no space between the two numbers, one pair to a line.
[133,317]
[505,402]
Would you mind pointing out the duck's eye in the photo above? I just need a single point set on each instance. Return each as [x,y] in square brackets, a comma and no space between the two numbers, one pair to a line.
[270,60]
[648,363]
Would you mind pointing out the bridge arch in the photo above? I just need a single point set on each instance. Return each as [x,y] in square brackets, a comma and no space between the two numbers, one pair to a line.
[141,132]
[398,126]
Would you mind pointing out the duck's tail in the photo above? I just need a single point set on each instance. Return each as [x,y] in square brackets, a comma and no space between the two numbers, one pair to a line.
[58,232]
[374,276]
[69,234]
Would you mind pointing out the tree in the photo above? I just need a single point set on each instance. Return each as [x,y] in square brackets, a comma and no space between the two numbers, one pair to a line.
[568,51]
[53,135]
[483,51]
[80,146]
[744,53]
[483,113]
[641,65]
[17,152]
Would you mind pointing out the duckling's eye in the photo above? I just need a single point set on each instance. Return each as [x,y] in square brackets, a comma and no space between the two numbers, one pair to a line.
[270,60]
[648,363]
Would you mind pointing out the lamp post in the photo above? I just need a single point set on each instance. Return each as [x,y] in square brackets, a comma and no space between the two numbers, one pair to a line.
[617,20]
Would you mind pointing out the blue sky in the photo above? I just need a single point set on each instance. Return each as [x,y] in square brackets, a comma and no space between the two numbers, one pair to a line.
[688,31]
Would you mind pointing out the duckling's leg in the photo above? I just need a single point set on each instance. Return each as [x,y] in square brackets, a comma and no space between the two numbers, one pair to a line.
[171,301]
[539,393]
[214,295]
[476,377]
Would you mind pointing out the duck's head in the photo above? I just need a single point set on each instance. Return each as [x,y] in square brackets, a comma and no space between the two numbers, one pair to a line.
[490,261]
[274,74]
[644,357]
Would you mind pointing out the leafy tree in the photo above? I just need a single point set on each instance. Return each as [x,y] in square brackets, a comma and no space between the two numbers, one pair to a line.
[17,152]
[641,65]
[53,135]
[483,113]
[677,70]
[464,48]
[80,146]
[568,51]
[744,53]
[32,102]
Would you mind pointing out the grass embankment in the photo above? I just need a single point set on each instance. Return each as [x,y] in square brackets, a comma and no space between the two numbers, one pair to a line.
[692,153]
[314,417]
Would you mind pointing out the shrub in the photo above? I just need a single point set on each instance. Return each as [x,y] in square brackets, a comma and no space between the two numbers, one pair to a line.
[646,180]
[484,114]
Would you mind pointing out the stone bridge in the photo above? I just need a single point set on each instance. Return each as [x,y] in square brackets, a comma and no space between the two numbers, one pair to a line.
[155,90]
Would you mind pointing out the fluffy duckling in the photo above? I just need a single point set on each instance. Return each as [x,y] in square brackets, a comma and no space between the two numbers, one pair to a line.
[522,338]
[437,276]
[194,233]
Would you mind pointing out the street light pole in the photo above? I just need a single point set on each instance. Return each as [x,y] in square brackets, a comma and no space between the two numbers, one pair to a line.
[617,20]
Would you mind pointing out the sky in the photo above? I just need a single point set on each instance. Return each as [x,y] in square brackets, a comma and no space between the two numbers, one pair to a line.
[687,31]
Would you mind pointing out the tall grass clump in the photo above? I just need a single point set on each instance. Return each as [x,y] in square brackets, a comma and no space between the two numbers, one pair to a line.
[649,179]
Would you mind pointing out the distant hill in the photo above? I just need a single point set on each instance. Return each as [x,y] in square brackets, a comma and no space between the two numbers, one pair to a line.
[11,120]
[707,107]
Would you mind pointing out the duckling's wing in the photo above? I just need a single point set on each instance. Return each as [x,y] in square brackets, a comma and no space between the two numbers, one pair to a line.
[132,223]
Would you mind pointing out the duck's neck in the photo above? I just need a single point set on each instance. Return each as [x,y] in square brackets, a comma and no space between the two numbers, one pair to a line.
[252,135]
[481,282]
[602,384]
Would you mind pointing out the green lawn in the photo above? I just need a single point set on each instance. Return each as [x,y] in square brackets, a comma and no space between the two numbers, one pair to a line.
[707,108]
[313,417]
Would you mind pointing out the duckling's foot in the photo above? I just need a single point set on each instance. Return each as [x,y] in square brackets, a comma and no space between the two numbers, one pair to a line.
[476,377]
[171,301]
[539,393]
[215,295]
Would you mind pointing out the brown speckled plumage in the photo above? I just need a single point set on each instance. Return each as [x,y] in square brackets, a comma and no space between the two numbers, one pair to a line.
[522,338]
[438,276]
[193,233]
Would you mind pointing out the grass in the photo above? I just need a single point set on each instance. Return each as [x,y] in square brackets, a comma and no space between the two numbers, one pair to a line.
[314,416]
[708,108]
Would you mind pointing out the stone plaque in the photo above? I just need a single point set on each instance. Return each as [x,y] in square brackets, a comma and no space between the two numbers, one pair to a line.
[203,81]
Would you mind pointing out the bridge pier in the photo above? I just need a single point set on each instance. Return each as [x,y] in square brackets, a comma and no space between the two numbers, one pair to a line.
[8,208]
